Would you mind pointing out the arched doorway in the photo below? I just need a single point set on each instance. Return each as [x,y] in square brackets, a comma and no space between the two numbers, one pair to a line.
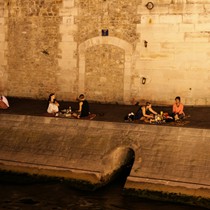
[104,69]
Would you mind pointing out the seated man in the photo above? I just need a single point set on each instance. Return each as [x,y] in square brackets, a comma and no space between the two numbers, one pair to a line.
[84,110]
[83,106]
[178,109]
[3,102]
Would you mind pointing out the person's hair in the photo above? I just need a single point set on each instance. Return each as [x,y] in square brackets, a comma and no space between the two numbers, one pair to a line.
[51,94]
[81,96]
[148,103]
[178,98]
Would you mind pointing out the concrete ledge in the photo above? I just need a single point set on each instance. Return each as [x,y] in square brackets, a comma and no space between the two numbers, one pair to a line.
[167,186]
[91,177]
[193,194]
[59,147]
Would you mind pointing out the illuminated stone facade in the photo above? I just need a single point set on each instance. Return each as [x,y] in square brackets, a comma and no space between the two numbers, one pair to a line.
[57,46]
[3,48]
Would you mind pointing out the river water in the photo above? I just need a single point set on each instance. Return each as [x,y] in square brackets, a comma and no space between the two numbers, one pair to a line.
[57,195]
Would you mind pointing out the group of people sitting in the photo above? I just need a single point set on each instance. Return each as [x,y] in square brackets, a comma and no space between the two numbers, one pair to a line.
[146,112]
[83,111]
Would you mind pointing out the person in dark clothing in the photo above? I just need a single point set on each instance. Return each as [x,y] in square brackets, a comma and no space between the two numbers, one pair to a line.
[84,110]
[145,112]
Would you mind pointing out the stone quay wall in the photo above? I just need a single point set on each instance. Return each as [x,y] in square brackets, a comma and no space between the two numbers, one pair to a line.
[151,52]
[169,160]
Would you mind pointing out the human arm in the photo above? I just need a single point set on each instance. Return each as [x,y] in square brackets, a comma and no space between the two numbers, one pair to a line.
[174,108]
[80,106]
[57,104]
[181,109]
[152,111]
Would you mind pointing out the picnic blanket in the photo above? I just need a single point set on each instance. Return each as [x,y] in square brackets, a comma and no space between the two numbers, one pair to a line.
[64,114]
[180,122]
[71,116]
[89,117]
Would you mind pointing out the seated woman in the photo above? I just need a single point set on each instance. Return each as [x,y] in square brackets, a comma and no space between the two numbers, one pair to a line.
[84,110]
[4,104]
[145,112]
[53,106]
[178,109]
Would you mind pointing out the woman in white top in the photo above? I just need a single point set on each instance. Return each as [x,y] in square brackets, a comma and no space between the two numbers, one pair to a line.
[4,104]
[53,106]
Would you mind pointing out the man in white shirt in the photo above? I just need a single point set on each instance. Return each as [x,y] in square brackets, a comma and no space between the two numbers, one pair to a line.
[3,102]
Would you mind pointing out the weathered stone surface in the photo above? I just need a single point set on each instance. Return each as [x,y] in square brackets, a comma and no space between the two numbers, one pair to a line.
[167,159]
[105,73]
[52,45]
[32,47]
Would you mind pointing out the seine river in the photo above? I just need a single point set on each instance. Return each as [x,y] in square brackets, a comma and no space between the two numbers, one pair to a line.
[56,195]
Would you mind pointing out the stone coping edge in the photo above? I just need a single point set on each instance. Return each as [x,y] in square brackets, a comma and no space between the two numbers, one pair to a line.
[19,119]
[166,190]
[87,177]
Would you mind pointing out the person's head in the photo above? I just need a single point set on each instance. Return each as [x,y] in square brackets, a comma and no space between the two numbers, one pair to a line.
[148,104]
[51,97]
[81,97]
[177,100]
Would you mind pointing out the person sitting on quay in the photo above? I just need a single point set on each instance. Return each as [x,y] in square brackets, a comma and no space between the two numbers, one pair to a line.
[145,112]
[4,104]
[84,110]
[53,106]
[178,109]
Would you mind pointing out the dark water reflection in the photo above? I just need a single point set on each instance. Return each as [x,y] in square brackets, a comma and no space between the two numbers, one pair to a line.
[58,195]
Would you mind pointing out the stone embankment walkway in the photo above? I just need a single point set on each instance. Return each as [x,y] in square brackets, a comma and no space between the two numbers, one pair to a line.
[168,160]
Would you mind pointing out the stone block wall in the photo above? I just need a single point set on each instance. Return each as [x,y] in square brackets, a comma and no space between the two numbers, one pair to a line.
[105,72]
[67,80]
[118,16]
[102,77]
[57,46]
[3,48]
[176,59]
[33,37]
